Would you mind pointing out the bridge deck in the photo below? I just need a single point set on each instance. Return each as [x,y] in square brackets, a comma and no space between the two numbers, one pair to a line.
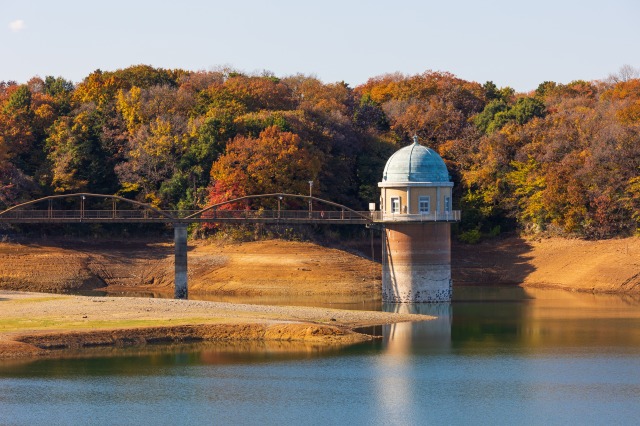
[217,216]
[48,210]
[220,216]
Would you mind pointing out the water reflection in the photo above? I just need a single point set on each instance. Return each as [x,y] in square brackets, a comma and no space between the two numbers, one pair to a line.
[538,350]
[396,377]
[477,314]
[491,356]
[488,319]
[134,361]
[565,319]
[407,337]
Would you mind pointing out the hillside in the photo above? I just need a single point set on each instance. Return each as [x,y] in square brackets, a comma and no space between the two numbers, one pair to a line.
[563,158]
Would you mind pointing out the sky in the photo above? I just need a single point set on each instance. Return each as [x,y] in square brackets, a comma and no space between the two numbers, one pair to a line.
[512,43]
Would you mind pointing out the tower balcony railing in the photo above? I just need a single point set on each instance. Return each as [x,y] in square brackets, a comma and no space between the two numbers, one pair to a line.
[450,216]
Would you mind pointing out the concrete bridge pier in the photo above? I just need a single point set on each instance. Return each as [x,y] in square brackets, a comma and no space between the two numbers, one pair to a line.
[180,243]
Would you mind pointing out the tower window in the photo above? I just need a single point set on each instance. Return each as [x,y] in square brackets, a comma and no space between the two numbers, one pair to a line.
[424,204]
[395,204]
[447,204]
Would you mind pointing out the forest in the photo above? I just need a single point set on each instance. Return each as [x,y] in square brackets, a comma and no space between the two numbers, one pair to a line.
[563,159]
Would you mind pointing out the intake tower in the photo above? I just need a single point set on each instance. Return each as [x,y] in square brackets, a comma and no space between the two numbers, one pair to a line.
[416,215]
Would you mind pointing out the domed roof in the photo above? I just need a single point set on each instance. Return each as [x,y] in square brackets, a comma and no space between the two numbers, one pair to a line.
[415,163]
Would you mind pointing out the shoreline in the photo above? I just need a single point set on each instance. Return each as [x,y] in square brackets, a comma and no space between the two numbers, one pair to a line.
[277,268]
[264,269]
[35,325]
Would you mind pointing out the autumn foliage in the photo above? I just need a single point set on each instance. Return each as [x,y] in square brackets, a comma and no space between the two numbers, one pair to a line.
[564,158]
[274,162]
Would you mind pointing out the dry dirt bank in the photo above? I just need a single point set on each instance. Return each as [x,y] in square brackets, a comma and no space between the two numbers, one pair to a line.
[608,266]
[277,268]
[257,268]
[33,324]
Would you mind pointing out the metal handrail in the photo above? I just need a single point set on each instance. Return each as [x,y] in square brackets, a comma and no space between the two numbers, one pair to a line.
[209,216]
[328,216]
[450,216]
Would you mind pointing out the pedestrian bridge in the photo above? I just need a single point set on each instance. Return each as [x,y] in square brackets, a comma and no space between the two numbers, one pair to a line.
[276,208]
[266,208]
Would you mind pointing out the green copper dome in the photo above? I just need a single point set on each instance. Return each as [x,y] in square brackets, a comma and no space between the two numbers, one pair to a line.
[415,163]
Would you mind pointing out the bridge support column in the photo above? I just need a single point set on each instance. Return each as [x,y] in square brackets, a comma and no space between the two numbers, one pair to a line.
[180,243]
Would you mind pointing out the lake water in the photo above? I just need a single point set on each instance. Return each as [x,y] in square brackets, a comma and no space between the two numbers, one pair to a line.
[494,356]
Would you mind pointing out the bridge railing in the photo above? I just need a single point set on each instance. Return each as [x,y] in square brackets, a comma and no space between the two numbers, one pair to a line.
[290,215]
[34,215]
[451,216]
[44,215]
[142,215]
[81,207]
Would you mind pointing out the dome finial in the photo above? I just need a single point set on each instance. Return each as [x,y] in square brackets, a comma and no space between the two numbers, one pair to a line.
[415,138]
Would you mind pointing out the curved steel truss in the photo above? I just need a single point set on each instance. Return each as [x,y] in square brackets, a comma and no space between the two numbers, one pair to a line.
[124,210]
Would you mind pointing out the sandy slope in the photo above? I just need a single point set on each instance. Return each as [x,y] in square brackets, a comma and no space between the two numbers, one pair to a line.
[293,268]
[608,266]
[258,268]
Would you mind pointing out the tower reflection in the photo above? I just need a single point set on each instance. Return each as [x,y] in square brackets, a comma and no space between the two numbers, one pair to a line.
[397,380]
[407,337]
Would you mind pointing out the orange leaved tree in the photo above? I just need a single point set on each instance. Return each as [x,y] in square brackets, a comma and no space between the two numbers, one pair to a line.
[275,161]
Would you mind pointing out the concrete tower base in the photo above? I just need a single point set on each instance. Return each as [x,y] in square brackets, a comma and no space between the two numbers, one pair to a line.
[416,263]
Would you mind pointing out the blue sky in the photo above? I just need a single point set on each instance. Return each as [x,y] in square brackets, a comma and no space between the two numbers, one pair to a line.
[513,43]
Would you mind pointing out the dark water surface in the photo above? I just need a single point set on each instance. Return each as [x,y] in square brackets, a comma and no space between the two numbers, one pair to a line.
[494,356]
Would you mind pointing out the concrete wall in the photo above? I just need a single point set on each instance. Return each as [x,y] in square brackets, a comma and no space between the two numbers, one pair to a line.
[416,263]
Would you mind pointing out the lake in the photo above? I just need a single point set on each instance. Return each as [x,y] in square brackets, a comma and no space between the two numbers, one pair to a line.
[495,355]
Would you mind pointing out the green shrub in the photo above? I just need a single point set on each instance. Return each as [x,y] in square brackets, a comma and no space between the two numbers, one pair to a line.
[470,237]
[495,231]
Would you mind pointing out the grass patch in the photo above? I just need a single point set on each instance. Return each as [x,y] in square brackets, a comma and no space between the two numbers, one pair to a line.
[16,324]
[31,324]
[36,299]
